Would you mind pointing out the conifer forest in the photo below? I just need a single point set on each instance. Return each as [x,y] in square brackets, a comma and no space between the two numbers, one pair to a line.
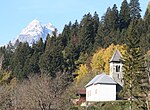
[46,75]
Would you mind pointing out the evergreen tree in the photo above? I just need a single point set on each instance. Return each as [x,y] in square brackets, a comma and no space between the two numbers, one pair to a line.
[32,63]
[38,47]
[21,54]
[51,61]
[6,54]
[147,10]
[106,19]
[114,34]
[74,29]
[99,39]
[86,33]
[70,55]
[108,26]
[134,70]
[96,22]
[135,9]
[146,86]
[71,52]
[146,30]
[124,15]
[111,18]
[103,30]
[115,17]
[137,30]
[66,34]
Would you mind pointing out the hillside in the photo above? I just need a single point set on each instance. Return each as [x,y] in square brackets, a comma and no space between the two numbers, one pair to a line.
[38,76]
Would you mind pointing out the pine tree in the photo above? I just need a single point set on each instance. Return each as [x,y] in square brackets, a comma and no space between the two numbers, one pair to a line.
[135,9]
[70,55]
[146,86]
[96,22]
[21,54]
[124,15]
[111,18]
[105,27]
[51,61]
[66,34]
[99,39]
[134,70]
[71,52]
[115,17]
[108,27]
[6,53]
[32,63]
[74,30]
[146,28]
[86,33]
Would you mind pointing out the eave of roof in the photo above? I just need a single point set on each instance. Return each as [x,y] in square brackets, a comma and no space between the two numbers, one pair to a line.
[101,79]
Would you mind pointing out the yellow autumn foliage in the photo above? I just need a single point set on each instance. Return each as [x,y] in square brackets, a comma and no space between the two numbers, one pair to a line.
[107,56]
[82,71]
[5,76]
[97,62]
[100,60]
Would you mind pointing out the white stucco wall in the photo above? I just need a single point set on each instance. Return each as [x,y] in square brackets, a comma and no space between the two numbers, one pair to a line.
[113,69]
[101,92]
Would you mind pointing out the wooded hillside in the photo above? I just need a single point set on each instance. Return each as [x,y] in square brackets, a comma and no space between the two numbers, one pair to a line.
[82,47]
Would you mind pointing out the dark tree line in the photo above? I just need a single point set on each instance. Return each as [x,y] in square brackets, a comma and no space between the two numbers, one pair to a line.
[62,53]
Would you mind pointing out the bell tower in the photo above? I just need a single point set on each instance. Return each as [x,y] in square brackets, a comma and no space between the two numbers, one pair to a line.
[116,67]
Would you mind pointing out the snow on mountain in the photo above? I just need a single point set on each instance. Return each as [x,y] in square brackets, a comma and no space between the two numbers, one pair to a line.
[34,31]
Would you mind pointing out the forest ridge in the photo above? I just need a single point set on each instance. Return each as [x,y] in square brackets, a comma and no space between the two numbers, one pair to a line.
[60,57]
[60,53]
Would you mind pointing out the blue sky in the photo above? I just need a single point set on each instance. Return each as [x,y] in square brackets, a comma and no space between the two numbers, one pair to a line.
[17,14]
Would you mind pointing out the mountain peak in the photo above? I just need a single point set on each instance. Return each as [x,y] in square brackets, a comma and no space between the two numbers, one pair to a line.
[35,21]
[34,31]
[30,29]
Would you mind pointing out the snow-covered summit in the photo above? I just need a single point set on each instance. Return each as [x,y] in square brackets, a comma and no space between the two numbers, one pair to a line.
[34,31]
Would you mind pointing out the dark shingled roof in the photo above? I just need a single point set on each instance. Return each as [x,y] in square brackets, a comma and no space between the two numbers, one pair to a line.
[101,79]
[116,56]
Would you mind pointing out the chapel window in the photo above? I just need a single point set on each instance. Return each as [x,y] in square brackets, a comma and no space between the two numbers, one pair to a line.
[117,68]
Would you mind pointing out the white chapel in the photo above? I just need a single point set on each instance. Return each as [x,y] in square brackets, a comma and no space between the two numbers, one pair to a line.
[105,87]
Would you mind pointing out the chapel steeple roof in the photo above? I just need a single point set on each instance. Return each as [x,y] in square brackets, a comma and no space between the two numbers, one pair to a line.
[116,56]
